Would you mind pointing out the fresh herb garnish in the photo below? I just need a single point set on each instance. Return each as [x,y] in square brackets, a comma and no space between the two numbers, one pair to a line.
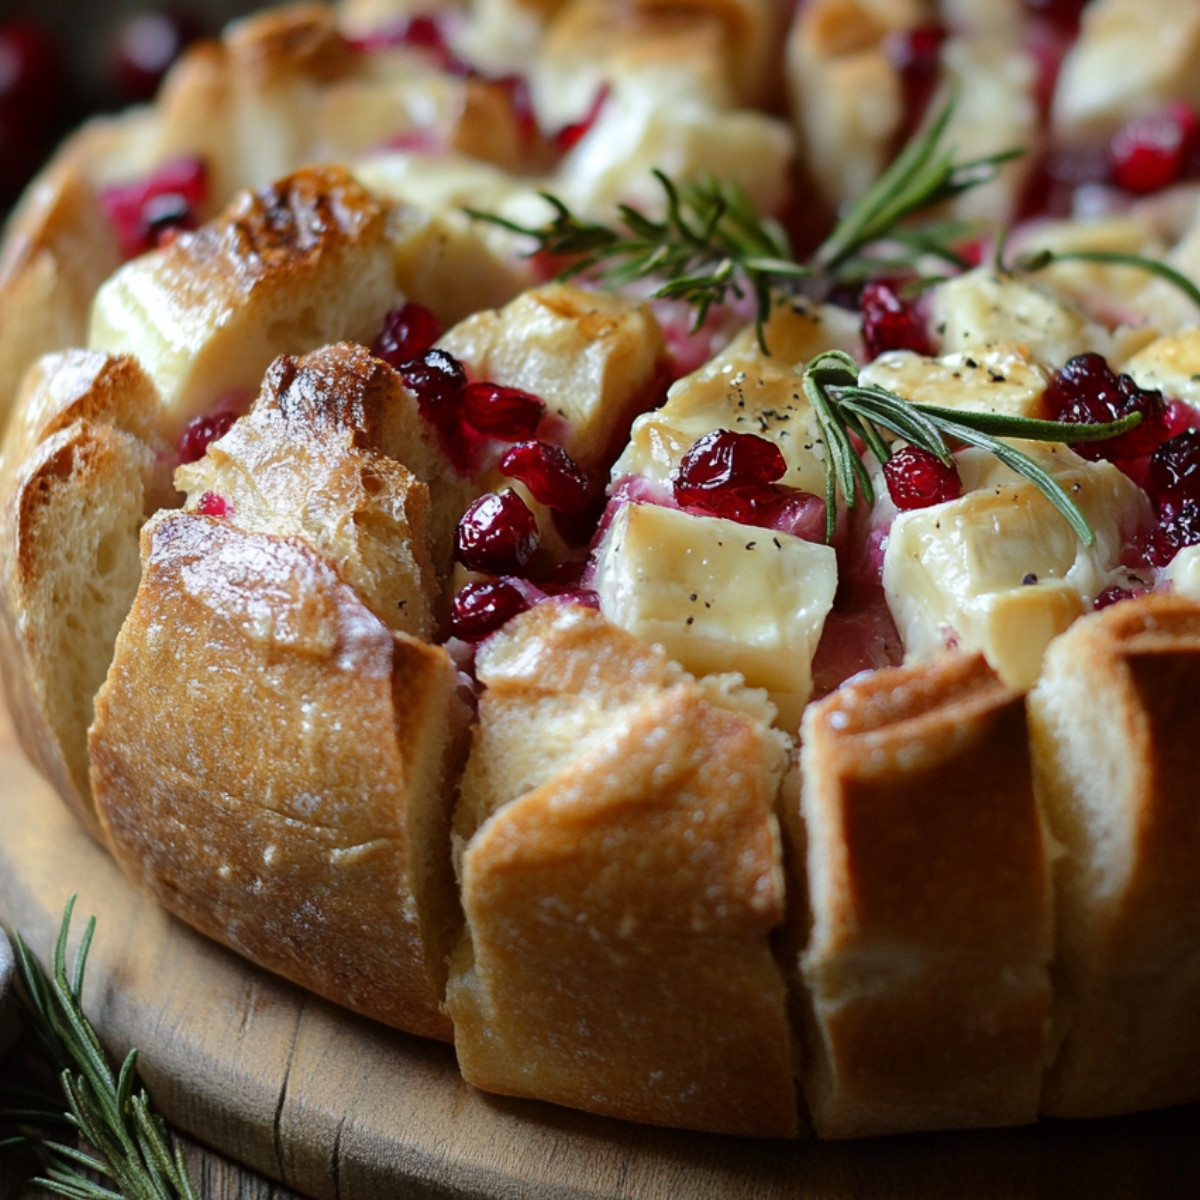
[712,242]
[846,409]
[111,1113]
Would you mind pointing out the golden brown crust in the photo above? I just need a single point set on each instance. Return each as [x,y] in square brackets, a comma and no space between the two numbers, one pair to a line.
[619,911]
[296,811]
[930,940]
[1115,725]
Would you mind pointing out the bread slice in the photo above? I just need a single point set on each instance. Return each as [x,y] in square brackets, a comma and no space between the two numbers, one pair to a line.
[1114,726]
[929,946]
[621,880]
[276,766]
[83,469]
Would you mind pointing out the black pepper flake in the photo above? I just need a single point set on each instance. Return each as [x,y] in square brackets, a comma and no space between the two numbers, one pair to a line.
[693,597]
[778,546]
[1029,579]
[691,620]
[971,363]
[751,545]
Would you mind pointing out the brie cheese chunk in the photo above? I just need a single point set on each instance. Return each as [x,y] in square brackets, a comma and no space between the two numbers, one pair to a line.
[720,597]
[1000,570]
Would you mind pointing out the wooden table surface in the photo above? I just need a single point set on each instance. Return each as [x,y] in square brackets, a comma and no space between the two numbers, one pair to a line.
[336,1108]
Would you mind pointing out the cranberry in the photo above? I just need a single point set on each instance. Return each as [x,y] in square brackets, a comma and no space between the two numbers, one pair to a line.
[144,212]
[146,47]
[497,534]
[1177,527]
[550,473]
[569,136]
[1174,473]
[889,323]
[200,432]
[725,459]
[1064,14]
[1149,152]
[502,412]
[916,479]
[420,32]
[1086,392]
[439,383]
[212,505]
[408,332]
[1110,596]
[916,55]
[481,608]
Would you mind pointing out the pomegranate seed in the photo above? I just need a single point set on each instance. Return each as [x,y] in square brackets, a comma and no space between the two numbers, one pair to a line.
[143,213]
[212,505]
[889,323]
[1176,528]
[481,608]
[408,332]
[916,55]
[1086,392]
[146,47]
[1174,473]
[550,473]
[200,432]
[569,136]
[916,479]
[497,534]
[1149,152]
[502,412]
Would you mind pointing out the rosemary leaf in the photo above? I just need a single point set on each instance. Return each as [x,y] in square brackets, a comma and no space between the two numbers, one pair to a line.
[111,1113]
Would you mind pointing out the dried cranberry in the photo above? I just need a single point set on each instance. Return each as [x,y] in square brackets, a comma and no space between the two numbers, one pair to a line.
[1086,392]
[170,200]
[200,432]
[408,332]
[212,505]
[502,412]
[439,382]
[1177,527]
[916,479]
[915,54]
[553,477]
[1174,473]
[724,458]
[146,47]
[889,323]
[481,608]
[497,534]
[1149,152]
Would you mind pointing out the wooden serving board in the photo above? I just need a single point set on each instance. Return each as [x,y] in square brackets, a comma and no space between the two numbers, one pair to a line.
[336,1107]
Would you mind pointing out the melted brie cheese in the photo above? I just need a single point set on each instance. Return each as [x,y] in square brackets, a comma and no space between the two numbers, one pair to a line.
[1000,570]
[720,597]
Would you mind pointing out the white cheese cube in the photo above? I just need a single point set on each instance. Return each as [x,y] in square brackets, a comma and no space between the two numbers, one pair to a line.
[720,597]
[997,379]
[1170,364]
[1182,573]
[1000,570]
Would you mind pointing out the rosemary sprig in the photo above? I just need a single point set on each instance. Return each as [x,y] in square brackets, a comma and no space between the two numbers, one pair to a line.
[111,1113]
[711,241]
[844,407]
[1041,259]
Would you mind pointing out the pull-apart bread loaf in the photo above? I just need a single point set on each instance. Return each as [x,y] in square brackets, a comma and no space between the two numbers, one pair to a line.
[505,658]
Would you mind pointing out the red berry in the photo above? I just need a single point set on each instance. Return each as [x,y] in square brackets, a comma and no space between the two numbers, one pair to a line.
[553,477]
[146,47]
[212,505]
[481,608]
[916,479]
[1086,392]
[200,432]
[724,459]
[502,412]
[1110,596]
[570,135]
[421,32]
[497,534]
[408,332]
[889,323]
[144,212]
[916,55]
[1177,527]
[1174,472]
[438,381]
[1149,152]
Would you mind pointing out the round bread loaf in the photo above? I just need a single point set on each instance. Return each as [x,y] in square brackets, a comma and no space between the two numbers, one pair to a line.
[476,649]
